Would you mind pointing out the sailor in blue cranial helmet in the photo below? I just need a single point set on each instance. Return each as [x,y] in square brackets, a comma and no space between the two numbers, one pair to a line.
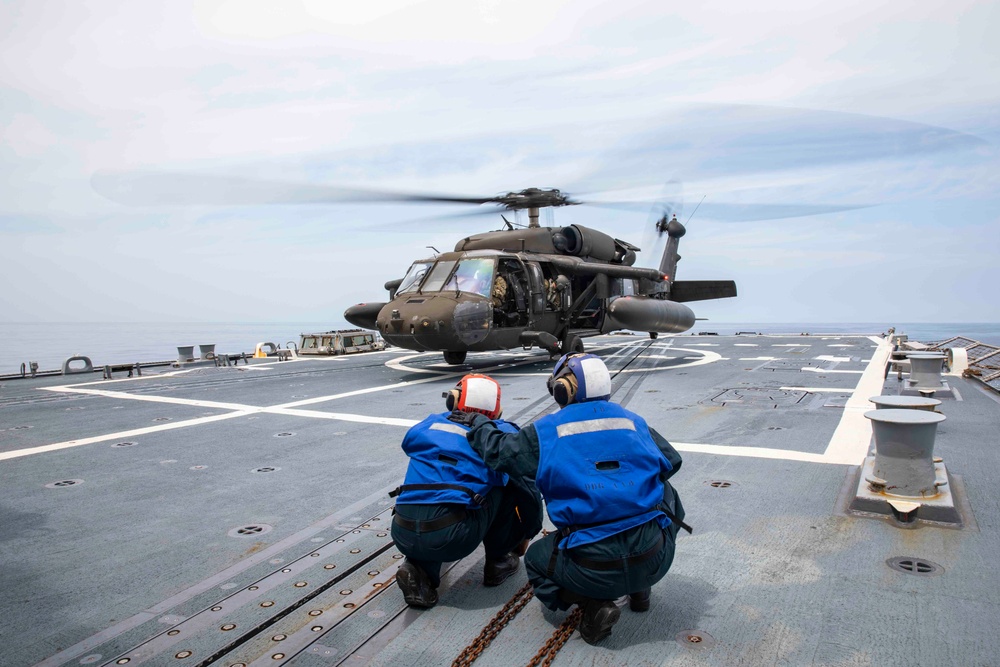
[450,502]
[603,473]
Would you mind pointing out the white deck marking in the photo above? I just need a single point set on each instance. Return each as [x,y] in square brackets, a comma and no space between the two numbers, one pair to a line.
[341,416]
[850,440]
[813,369]
[152,399]
[745,345]
[791,345]
[123,434]
[753,452]
[816,390]
[759,358]
[849,443]
[828,357]
[704,357]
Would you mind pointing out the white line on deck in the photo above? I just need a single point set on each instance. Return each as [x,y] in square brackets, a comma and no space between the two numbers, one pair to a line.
[849,443]
[754,452]
[123,434]
[816,390]
[813,369]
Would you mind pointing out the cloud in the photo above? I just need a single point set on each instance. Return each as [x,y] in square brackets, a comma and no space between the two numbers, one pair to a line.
[762,110]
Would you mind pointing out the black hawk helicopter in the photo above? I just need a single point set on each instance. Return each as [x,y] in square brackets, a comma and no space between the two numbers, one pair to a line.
[517,287]
[544,286]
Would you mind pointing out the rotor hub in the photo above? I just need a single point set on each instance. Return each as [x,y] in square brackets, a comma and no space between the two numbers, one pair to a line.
[534,198]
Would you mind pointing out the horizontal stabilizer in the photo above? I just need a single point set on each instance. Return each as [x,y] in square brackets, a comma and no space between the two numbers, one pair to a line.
[702,290]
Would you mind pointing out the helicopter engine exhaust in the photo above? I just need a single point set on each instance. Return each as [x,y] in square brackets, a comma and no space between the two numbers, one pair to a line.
[641,313]
[585,242]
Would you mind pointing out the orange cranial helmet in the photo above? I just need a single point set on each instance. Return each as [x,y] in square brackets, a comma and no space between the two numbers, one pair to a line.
[475,393]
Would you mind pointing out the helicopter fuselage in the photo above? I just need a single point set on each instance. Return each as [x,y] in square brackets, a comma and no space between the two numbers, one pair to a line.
[558,286]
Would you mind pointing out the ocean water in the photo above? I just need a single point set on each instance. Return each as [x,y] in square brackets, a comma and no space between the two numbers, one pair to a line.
[50,344]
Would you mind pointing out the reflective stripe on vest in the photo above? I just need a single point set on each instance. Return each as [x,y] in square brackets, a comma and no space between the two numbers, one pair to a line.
[450,428]
[440,453]
[599,470]
[595,425]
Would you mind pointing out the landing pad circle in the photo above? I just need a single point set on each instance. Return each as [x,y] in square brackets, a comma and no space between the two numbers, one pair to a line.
[707,357]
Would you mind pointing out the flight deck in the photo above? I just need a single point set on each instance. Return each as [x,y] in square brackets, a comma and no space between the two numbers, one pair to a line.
[240,515]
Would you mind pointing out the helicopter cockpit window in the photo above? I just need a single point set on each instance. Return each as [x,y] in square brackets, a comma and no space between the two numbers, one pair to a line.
[475,275]
[411,281]
[437,276]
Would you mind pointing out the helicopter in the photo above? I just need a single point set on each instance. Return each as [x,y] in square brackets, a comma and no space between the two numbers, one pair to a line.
[549,287]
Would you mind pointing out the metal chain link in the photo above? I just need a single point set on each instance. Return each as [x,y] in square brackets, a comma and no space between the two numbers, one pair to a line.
[545,655]
[548,652]
[493,628]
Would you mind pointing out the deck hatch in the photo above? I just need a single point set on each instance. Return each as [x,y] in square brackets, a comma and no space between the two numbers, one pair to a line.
[760,397]
[786,365]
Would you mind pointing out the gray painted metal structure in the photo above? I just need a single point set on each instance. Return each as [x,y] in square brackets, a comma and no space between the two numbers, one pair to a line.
[231,515]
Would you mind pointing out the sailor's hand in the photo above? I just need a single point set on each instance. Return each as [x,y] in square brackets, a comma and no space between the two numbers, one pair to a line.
[467,419]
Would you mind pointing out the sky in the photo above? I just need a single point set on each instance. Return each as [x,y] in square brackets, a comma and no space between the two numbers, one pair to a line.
[837,160]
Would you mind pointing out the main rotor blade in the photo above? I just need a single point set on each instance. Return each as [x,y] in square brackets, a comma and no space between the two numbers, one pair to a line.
[734,212]
[159,188]
[429,221]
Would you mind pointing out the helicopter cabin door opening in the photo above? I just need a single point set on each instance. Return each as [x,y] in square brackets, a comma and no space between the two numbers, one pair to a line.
[511,293]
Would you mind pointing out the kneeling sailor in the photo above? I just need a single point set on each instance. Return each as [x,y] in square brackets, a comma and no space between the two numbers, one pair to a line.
[603,473]
[450,502]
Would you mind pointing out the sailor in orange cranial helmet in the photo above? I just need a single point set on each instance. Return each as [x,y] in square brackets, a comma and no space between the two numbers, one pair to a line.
[603,473]
[450,502]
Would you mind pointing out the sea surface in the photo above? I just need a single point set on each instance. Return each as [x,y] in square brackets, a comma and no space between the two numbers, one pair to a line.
[50,344]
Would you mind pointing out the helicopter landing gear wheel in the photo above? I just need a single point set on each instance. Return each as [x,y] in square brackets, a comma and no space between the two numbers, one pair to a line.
[572,344]
[653,335]
[454,358]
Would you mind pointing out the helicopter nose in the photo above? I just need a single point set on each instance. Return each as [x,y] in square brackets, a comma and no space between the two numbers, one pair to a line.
[435,322]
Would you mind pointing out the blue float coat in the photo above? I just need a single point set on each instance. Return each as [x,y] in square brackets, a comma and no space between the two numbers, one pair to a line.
[599,471]
[518,454]
[440,453]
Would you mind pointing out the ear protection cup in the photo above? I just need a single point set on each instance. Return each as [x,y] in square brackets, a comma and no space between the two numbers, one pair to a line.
[564,390]
[451,398]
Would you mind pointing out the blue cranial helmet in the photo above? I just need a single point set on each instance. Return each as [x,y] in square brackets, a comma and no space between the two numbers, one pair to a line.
[579,377]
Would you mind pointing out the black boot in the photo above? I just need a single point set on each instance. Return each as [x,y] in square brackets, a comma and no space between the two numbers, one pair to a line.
[416,586]
[639,601]
[599,616]
[496,572]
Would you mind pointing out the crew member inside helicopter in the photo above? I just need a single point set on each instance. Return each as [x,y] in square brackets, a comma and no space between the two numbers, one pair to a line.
[450,502]
[510,301]
[603,473]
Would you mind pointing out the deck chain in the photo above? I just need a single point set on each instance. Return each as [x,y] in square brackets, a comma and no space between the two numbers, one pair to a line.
[545,655]
[548,652]
[493,628]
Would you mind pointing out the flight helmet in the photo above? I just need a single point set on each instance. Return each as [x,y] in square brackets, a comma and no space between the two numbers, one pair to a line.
[579,377]
[475,393]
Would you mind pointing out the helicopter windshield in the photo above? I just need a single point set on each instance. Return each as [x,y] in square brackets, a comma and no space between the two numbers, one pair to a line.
[437,276]
[473,275]
[411,281]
